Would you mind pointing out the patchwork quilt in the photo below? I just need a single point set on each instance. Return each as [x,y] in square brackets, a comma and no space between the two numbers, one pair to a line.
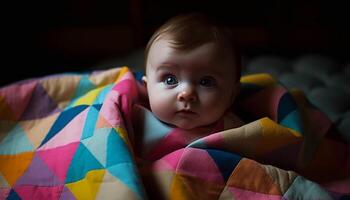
[91,136]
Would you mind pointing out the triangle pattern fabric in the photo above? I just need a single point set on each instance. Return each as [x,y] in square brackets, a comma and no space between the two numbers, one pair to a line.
[288,114]
[59,164]
[39,193]
[154,130]
[112,187]
[4,192]
[37,129]
[5,110]
[32,176]
[3,182]
[102,95]
[40,105]
[247,194]
[256,179]
[82,162]
[13,196]
[90,122]
[116,145]
[225,161]
[128,175]
[10,167]
[54,88]
[102,122]
[310,190]
[89,98]
[84,86]
[293,121]
[67,123]
[18,102]
[97,144]
[67,194]
[188,166]
[16,135]
[90,183]
[286,106]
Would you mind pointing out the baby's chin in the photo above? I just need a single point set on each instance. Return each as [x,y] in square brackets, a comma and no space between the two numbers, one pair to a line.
[181,125]
[186,126]
[192,126]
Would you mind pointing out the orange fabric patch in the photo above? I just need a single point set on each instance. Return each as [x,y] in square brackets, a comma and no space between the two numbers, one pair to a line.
[13,166]
[249,175]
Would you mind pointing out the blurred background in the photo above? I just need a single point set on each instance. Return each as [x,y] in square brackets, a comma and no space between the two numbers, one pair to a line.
[46,37]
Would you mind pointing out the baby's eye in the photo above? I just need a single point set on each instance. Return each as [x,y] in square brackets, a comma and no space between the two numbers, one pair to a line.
[170,80]
[207,81]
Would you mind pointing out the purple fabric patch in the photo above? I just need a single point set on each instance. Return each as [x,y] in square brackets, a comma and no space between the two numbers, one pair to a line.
[38,173]
[40,105]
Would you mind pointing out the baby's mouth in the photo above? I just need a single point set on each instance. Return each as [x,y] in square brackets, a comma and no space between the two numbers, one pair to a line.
[186,112]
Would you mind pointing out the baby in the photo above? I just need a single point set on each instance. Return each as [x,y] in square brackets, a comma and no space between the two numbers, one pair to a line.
[192,72]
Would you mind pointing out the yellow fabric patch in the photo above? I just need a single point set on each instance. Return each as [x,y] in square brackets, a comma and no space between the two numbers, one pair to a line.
[36,130]
[88,187]
[275,136]
[61,90]
[188,187]
[107,77]
[259,79]
[124,135]
[112,188]
[89,98]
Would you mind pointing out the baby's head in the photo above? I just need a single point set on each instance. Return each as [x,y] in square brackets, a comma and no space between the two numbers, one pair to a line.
[192,71]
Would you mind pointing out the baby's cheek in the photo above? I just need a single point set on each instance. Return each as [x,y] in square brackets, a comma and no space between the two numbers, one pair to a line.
[161,105]
[215,104]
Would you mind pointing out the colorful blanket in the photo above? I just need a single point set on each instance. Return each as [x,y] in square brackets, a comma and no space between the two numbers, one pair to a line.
[89,136]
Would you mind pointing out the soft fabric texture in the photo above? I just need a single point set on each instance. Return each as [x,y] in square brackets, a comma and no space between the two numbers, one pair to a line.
[89,136]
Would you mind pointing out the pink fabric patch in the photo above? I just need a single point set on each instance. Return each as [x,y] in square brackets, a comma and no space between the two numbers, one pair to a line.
[4,192]
[247,195]
[59,164]
[198,163]
[214,140]
[110,110]
[39,193]
[169,162]
[18,102]
[172,142]
[69,134]
[177,139]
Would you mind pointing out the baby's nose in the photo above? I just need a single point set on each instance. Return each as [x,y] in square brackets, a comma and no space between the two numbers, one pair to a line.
[187,95]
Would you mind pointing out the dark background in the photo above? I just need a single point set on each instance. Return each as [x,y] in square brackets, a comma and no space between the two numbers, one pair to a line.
[45,37]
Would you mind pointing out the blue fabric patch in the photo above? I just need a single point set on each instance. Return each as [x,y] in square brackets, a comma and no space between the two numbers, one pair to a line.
[62,120]
[225,161]
[90,123]
[286,105]
[117,151]
[82,162]
[13,196]
[302,188]
[18,137]
[293,121]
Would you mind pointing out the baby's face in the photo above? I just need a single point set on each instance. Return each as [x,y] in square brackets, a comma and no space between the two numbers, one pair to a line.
[189,89]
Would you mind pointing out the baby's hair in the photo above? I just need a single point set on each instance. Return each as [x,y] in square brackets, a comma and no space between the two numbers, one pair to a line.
[188,31]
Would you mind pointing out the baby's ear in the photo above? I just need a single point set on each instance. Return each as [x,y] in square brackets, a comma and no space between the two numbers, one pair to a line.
[144,80]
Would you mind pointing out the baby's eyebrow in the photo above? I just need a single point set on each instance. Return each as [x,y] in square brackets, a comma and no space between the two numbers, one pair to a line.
[166,66]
